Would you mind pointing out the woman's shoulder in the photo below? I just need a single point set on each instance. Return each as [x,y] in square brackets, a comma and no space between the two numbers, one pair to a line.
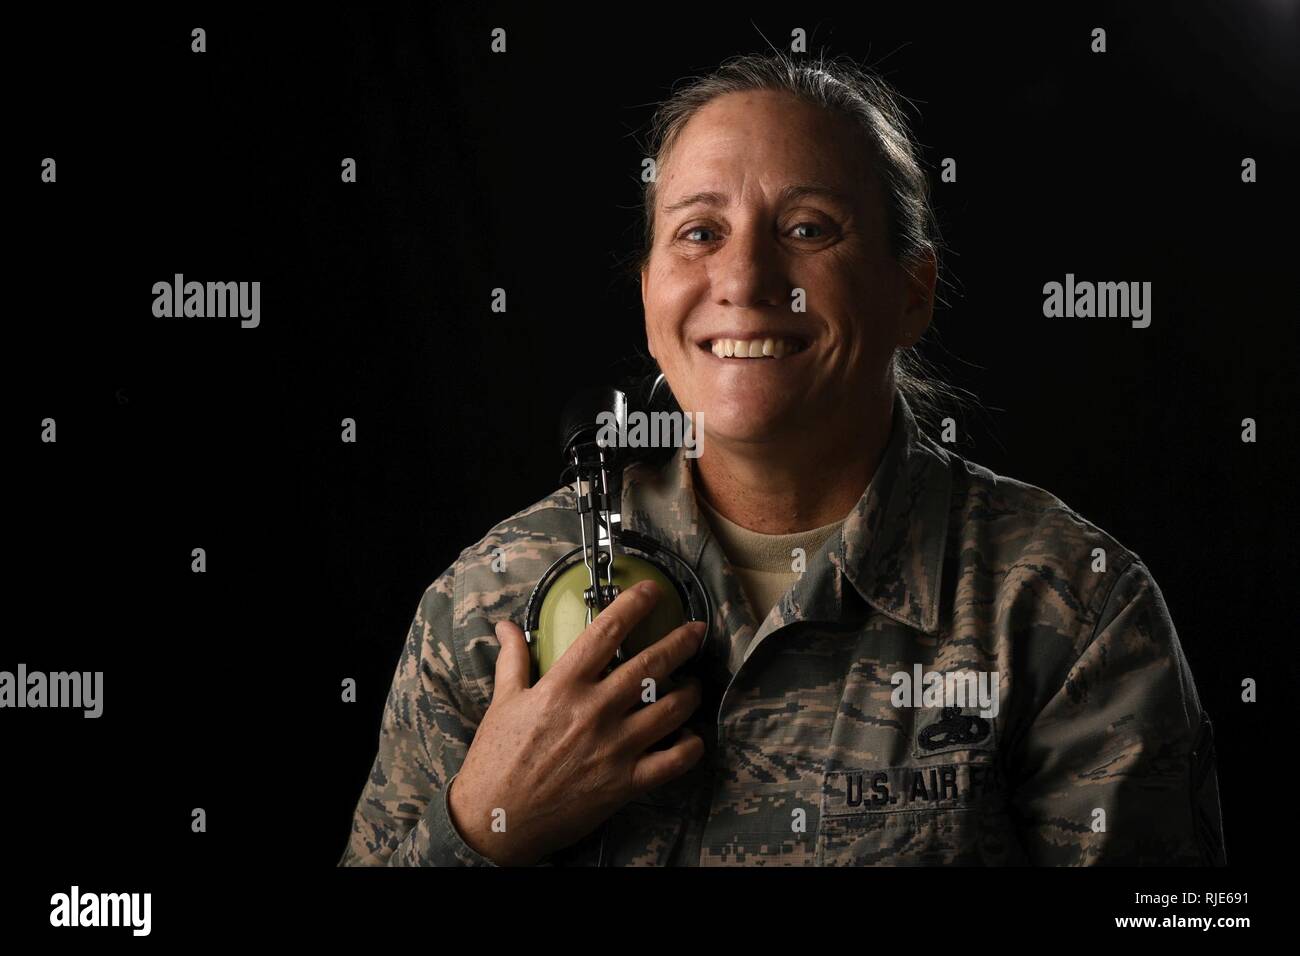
[1025,537]
[490,581]
[984,499]
[518,549]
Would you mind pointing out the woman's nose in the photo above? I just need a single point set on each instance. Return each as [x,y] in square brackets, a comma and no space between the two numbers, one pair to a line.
[749,271]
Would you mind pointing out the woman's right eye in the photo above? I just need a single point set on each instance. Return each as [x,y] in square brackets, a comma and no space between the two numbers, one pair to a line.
[693,234]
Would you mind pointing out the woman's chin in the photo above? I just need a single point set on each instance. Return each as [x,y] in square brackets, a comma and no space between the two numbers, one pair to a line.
[754,423]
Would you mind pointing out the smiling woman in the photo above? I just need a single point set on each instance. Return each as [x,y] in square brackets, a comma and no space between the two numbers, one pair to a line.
[762,198]
[790,266]
[876,160]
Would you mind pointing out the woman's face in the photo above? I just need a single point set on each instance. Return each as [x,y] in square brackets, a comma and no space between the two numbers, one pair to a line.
[763,195]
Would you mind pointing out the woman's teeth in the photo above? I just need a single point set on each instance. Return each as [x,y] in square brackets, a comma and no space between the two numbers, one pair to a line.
[754,348]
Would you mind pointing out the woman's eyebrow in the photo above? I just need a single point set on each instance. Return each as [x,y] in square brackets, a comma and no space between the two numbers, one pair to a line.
[704,198]
[790,193]
[799,191]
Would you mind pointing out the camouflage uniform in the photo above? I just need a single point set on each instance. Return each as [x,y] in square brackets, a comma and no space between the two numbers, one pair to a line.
[941,563]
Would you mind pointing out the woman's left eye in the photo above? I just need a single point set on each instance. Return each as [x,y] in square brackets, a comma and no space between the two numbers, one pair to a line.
[816,231]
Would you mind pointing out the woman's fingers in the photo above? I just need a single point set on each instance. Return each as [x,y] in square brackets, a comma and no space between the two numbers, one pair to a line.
[588,656]
[514,666]
[626,685]
[657,767]
[653,723]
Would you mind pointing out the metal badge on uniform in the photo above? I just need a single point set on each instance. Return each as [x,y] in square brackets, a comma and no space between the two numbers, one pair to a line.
[944,730]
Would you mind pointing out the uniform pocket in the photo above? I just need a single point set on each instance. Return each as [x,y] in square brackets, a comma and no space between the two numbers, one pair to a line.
[914,838]
[904,816]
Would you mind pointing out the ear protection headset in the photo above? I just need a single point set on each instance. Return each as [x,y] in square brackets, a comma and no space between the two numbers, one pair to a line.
[581,584]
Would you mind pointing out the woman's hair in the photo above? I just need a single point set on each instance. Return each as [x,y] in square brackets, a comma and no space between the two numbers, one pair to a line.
[844,88]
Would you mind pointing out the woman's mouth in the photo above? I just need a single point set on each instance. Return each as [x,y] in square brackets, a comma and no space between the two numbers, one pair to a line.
[769,348]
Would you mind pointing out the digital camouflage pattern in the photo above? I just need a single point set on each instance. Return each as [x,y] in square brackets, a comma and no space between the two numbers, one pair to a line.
[1100,752]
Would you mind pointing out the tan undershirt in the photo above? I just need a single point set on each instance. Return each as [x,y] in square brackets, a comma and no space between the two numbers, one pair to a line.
[762,561]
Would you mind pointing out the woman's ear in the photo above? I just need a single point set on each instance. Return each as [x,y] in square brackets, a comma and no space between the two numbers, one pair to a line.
[920,273]
[645,282]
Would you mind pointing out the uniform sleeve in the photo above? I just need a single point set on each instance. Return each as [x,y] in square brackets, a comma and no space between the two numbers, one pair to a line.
[1119,765]
[402,817]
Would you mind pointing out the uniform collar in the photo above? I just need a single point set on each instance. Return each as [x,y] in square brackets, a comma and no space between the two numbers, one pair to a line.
[893,541]
[890,548]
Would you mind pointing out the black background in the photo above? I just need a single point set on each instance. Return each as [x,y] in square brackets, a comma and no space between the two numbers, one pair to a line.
[222,690]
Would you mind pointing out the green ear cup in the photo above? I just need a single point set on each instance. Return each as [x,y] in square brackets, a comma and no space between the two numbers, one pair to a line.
[563,615]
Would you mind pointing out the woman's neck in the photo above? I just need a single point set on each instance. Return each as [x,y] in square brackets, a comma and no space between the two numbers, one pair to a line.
[790,486]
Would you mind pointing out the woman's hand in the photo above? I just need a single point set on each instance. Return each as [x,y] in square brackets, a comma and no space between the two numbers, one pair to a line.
[554,761]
